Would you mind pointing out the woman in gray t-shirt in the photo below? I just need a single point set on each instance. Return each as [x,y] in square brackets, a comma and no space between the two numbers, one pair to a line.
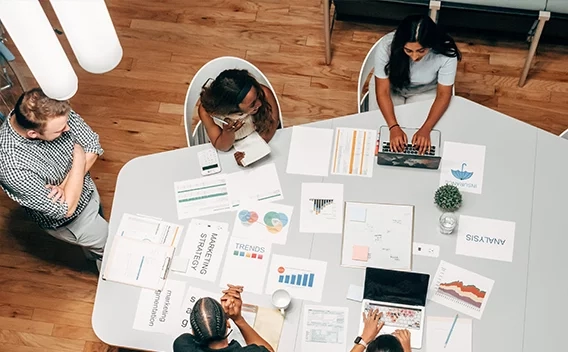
[416,62]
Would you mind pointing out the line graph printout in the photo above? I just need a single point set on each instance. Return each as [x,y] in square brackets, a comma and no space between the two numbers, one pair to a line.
[460,289]
[321,209]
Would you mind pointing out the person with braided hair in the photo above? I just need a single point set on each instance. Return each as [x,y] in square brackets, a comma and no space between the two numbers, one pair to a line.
[209,321]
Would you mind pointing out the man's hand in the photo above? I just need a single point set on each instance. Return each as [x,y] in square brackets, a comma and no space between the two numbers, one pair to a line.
[421,140]
[372,325]
[404,337]
[232,302]
[57,194]
[239,156]
[398,139]
[232,126]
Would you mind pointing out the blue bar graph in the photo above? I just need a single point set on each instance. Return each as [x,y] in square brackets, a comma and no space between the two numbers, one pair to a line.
[305,280]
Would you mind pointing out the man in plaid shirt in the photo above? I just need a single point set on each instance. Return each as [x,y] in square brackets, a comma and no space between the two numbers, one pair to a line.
[46,152]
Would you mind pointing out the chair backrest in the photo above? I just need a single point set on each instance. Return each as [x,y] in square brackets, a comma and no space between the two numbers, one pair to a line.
[368,65]
[564,134]
[212,70]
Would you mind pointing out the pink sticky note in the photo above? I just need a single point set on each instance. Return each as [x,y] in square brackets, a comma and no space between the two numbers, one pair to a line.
[360,253]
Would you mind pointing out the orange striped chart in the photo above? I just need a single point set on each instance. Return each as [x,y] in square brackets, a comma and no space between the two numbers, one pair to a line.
[353,152]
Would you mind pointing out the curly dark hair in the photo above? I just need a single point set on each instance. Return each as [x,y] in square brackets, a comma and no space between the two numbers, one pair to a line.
[412,29]
[208,321]
[223,96]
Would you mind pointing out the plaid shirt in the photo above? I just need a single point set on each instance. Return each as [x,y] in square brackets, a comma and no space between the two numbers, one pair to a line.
[27,166]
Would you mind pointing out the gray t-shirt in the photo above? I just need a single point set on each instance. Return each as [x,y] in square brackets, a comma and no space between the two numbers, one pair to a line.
[425,75]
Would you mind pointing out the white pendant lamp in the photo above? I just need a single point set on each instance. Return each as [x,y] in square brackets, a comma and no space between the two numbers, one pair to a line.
[34,37]
[89,29]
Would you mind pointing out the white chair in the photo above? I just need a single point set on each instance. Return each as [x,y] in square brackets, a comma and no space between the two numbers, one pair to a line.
[564,134]
[211,70]
[366,68]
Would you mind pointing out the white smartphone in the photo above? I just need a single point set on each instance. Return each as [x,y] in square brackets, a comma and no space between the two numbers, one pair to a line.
[209,161]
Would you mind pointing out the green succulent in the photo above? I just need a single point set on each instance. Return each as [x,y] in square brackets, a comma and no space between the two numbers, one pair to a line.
[448,198]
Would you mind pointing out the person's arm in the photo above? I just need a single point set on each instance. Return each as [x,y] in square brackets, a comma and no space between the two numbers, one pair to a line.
[274,115]
[250,335]
[74,180]
[398,138]
[221,138]
[86,137]
[372,325]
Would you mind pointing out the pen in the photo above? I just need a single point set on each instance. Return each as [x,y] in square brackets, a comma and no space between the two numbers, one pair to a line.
[222,121]
[451,330]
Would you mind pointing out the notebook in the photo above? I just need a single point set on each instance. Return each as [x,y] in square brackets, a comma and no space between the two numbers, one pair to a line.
[254,147]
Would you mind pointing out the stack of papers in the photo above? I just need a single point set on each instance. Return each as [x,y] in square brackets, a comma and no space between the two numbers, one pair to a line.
[254,147]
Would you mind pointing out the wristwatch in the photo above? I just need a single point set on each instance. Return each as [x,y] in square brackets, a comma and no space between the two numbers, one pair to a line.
[360,341]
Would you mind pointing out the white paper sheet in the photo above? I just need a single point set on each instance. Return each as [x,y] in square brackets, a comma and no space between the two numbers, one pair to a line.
[310,151]
[204,246]
[254,147]
[460,289]
[462,166]
[485,238]
[321,209]
[324,328]
[148,229]
[260,183]
[385,229]
[355,293]
[303,278]
[353,152]
[157,311]
[437,329]
[202,196]
[246,262]
[138,263]
[263,221]
[181,323]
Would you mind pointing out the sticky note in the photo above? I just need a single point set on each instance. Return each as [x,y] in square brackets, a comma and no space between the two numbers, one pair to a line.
[360,253]
[358,214]
[355,293]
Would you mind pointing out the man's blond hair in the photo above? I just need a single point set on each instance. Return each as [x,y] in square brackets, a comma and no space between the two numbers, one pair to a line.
[34,109]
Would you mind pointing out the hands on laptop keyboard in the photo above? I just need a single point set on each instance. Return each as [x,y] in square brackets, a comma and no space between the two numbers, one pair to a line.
[410,149]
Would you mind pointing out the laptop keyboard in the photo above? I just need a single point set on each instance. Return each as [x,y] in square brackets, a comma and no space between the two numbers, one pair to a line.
[405,318]
[410,149]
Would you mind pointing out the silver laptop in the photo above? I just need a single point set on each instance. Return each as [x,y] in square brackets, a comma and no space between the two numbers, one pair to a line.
[409,157]
[401,297]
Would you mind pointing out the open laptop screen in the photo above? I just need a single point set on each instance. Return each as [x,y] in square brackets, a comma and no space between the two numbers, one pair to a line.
[394,286]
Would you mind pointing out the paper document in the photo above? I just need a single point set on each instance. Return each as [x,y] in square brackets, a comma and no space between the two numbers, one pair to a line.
[354,152]
[248,312]
[268,324]
[254,147]
[378,235]
[355,293]
[204,247]
[202,196]
[260,183]
[157,311]
[485,238]
[321,209]
[324,328]
[183,310]
[225,192]
[263,221]
[460,289]
[310,151]
[462,166]
[149,229]
[138,263]
[246,262]
[303,278]
[437,330]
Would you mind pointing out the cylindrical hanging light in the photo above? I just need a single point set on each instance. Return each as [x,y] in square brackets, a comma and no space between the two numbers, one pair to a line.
[89,29]
[34,37]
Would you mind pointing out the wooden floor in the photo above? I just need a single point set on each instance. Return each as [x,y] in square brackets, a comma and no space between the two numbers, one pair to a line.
[47,290]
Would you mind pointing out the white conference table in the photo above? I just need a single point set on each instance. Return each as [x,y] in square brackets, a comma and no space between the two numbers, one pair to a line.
[523,183]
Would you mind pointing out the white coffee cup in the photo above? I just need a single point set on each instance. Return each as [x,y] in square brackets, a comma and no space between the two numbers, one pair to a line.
[281,299]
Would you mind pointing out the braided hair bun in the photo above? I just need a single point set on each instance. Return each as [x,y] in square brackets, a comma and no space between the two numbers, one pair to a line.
[208,321]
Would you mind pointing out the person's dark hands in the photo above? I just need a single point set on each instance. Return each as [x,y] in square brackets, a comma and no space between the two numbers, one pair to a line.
[421,140]
[239,156]
[398,139]
[372,325]
[404,337]
[232,126]
[232,302]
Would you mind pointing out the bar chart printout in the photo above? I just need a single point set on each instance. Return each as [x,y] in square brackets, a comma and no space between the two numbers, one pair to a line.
[298,279]
[324,206]
[303,278]
[321,208]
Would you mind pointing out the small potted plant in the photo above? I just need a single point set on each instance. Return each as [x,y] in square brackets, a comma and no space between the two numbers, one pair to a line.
[448,198]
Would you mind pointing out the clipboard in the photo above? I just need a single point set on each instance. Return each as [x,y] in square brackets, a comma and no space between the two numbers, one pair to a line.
[138,263]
